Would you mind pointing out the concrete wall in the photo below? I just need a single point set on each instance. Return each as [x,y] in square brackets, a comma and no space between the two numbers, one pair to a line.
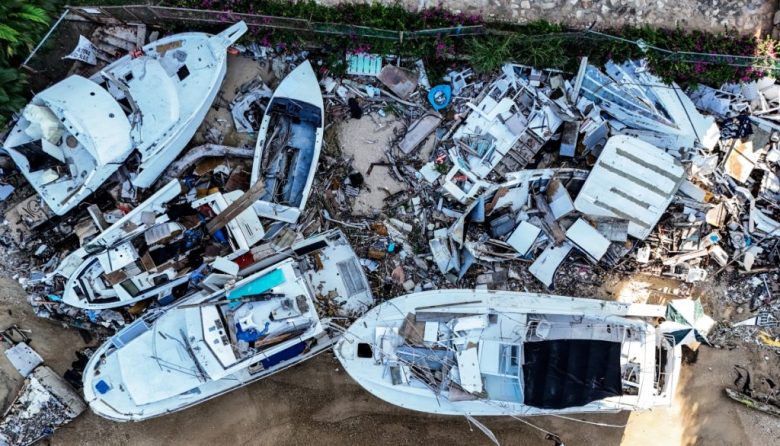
[747,16]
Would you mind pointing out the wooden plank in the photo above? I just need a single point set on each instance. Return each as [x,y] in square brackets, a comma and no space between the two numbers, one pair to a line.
[440,317]
[549,220]
[147,262]
[115,277]
[235,208]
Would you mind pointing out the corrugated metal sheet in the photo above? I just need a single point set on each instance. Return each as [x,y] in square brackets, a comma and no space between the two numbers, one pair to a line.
[632,180]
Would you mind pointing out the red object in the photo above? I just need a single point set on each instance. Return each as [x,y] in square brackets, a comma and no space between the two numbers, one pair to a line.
[136,53]
[244,260]
[232,50]
[206,211]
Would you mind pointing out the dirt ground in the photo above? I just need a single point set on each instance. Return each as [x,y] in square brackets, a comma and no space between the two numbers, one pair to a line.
[317,403]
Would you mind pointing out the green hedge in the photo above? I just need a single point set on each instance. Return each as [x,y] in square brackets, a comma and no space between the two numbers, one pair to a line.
[540,43]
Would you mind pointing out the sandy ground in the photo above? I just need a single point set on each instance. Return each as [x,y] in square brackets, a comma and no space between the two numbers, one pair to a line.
[318,403]
[365,140]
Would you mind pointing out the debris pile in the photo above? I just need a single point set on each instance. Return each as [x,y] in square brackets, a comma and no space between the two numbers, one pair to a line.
[45,402]
[532,179]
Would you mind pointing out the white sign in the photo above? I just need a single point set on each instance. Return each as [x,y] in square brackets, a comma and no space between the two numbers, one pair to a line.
[85,51]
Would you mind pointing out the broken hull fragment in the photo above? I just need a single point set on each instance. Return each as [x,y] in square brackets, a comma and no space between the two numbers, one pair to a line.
[288,145]
[209,344]
[487,353]
[76,134]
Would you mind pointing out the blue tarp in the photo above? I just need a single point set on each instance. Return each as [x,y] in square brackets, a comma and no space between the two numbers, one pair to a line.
[283,355]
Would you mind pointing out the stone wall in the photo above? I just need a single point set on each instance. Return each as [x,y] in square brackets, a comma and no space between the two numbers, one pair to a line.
[746,16]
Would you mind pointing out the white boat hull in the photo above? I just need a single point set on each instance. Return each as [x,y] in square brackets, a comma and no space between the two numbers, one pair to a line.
[209,343]
[301,86]
[379,330]
[76,134]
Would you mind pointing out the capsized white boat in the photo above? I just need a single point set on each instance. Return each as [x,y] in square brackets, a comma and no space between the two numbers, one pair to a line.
[288,145]
[75,134]
[157,259]
[209,344]
[484,353]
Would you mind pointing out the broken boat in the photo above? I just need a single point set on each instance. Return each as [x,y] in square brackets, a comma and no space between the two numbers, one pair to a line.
[144,107]
[156,258]
[210,343]
[488,353]
[288,145]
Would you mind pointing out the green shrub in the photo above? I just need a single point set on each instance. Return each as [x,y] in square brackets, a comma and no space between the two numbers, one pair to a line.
[23,23]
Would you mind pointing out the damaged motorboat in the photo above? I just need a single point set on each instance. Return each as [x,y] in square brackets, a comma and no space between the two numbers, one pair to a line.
[488,353]
[130,225]
[288,145]
[139,111]
[157,258]
[214,342]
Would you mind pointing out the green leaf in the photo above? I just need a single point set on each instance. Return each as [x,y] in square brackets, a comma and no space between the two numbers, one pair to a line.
[8,34]
[34,14]
[8,75]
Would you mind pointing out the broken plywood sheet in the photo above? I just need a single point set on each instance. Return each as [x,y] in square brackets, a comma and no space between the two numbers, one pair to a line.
[569,137]
[399,81]
[23,358]
[441,254]
[468,366]
[588,239]
[741,159]
[25,216]
[692,190]
[560,201]
[523,237]
[614,229]
[545,267]
[418,131]
[632,180]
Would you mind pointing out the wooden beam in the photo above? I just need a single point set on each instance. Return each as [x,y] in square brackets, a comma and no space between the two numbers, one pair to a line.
[235,208]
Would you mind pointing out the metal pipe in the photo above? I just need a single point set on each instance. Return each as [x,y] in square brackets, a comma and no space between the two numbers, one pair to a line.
[51,30]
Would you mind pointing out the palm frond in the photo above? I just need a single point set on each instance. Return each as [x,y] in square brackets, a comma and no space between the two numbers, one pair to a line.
[8,34]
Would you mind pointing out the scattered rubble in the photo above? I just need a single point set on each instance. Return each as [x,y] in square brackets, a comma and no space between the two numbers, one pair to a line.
[45,402]
[532,180]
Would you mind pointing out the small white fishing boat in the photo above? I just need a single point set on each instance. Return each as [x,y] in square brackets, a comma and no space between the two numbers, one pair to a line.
[486,353]
[133,260]
[213,342]
[288,145]
[77,133]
